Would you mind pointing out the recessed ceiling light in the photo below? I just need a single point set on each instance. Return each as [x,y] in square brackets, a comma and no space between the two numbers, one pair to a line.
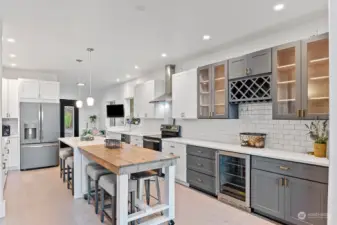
[163,55]
[278,7]
[128,76]
[12,55]
[206,37]
[80,84]
[11,40]
[136,67]
[13,65]
[117,79]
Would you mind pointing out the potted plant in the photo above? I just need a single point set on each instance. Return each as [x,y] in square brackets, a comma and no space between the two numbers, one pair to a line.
[93,119]
[318,132]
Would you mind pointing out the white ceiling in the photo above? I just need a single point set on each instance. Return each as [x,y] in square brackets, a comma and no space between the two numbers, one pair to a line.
[51,34]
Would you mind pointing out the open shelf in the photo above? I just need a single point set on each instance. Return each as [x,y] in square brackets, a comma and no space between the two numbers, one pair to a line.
[320,60]
[287,100]
[222,90]
[288,66]
[204,81]
[319,98]
[219,104]
[220,78]
[204,93]
[319,78]
[287,82]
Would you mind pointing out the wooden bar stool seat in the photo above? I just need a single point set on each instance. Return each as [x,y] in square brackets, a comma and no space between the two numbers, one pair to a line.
[107,184]
[94,172]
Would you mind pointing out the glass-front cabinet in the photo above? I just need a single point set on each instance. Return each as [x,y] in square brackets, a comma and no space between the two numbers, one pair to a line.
[315,63]
[301,79]
[213,92]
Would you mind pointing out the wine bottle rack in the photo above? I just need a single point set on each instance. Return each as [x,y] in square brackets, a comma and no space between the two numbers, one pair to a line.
[250,89]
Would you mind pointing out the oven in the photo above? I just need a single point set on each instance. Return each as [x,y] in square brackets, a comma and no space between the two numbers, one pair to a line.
[125,138]
[233,179]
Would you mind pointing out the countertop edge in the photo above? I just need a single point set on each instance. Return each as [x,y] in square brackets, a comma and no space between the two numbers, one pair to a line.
[265,152]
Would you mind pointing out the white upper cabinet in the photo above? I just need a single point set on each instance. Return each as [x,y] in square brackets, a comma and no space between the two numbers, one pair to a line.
[144,93]
[184,95]
[129,89]
[49,90]
[10,99]
[39,91]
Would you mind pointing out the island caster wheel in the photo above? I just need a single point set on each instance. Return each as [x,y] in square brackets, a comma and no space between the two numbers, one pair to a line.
[171,222]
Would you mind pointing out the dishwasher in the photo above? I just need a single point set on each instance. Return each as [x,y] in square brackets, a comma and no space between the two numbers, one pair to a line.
[233,181]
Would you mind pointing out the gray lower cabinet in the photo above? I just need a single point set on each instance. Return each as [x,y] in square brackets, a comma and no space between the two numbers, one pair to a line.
[305,202]
[284,191]
[267,193]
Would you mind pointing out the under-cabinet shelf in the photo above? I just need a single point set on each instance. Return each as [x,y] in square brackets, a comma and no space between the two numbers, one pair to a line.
[287,100]
[287,82]
[319,78]
[319,98]
[314,61]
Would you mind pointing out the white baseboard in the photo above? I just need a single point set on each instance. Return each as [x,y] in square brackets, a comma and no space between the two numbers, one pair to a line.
[2,209]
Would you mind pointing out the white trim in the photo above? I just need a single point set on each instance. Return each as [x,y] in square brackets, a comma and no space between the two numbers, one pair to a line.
[122,199]
[2,209]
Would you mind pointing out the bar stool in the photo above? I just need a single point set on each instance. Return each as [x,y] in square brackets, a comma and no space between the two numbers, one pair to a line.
[107,185]
[69,163]
[144,179]
[94,172]
[63,154]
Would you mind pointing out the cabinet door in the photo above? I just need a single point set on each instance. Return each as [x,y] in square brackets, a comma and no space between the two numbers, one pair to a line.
[29,90]
[315,77]
[180,150]
[305,202]
[14,153]
[237,67]
[49,90]
[13,98]
[204,92]
[219,90]
[138,110]
[148,95]
[178,91]
[286,81]
[259,62]
[4,98]
[267,193]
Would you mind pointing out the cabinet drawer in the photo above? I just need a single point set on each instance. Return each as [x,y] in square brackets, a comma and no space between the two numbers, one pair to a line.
[304,171]
[201,181]
[201,152]
[203,165]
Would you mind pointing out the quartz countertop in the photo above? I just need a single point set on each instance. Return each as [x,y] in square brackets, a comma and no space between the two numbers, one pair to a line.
[264,152]
[75,142]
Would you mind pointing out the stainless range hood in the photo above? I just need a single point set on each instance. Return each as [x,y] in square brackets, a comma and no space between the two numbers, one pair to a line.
[167,96]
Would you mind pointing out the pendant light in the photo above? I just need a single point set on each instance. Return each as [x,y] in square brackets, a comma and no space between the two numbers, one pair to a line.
[90,99]
[79,102]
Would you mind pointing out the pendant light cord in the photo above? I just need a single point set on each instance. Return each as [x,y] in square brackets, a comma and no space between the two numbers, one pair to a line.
[78,81]
[90,68]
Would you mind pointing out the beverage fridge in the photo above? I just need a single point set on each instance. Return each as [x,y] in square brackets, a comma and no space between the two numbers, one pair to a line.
[40,130]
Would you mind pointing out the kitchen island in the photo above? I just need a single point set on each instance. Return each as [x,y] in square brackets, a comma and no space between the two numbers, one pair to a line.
[124,161]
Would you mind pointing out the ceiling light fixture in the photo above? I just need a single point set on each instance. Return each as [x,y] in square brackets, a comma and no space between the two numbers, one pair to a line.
[12,55]
[136,67]
[206,37]
[11,40]
[117,79]
[163,55]
[128,76]
[79,102]
[13,65]
[278,7]
[90,99]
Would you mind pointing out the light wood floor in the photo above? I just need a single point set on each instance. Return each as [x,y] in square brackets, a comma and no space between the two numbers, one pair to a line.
[40,198]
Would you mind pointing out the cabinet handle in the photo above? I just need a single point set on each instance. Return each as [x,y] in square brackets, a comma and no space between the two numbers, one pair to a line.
[298,113]
[3,166]
[303,112]
[198,164]
[171,153]
[172,146]
[284,168]
[199,151]
[281,181]
[7,150]
[9,141]
[199,180]
[286,182]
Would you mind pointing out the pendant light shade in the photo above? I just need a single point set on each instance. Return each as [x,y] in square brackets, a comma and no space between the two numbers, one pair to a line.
[90,99]
[79,104]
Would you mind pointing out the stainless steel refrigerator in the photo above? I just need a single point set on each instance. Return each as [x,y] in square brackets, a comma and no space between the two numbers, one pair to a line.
[40,130]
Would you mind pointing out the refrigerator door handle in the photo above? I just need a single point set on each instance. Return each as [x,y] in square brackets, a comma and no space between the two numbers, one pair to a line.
[40,145]
[41,123]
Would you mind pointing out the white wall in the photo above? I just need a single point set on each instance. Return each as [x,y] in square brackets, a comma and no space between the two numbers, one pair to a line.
[2,204]
[228,130]
[29,74]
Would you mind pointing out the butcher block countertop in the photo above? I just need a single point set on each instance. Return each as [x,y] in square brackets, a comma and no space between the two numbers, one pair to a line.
[128,159]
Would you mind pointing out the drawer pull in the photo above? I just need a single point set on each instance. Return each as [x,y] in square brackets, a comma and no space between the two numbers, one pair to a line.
[172,146]
[199,151]
[284,168]
[199,180]
[281,181]
[200,165]
[286,182]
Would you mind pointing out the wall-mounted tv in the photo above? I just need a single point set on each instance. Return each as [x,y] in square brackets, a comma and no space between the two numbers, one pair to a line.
[115,111]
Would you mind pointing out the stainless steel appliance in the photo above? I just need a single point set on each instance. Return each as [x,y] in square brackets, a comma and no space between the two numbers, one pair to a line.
[6,130]
[40,130]
[234,179]
[154,141]
[125,138]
